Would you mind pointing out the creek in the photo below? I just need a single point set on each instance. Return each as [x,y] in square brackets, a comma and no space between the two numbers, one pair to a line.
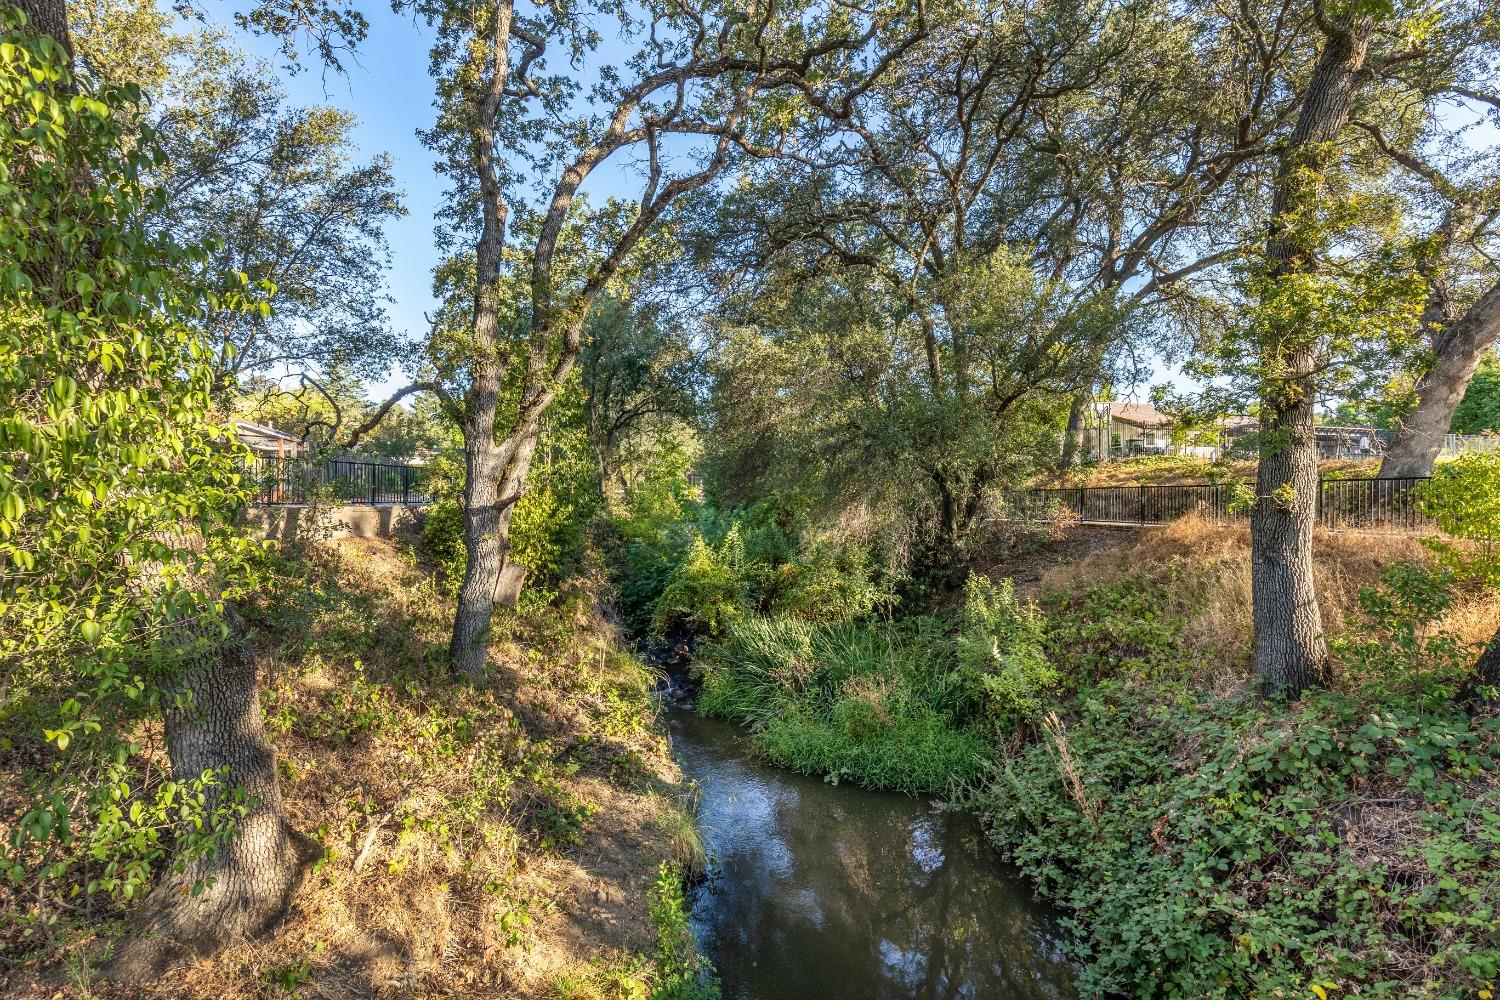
[830,892]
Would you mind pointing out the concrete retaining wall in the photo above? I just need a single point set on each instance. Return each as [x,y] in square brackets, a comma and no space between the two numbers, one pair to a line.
[283,523]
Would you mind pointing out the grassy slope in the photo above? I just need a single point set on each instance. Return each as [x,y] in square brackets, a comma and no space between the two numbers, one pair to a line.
[1213,844]
[1169,469]
[498,843]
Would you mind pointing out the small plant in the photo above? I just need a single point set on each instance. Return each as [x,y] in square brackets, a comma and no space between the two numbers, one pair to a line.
[287,980]
[1401,647]
[681,973]
[1000,650]
[1463,499]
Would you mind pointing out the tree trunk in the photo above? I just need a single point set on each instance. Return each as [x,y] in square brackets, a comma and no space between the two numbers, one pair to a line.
[486,511]
[1459,350]
[48,17]
[1290,651]
[247,886]
[1487,670]
[1074,449]
[486,533]
[496,481]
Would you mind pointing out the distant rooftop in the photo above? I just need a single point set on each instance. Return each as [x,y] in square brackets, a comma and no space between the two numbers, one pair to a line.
[1139,414]
[259,437]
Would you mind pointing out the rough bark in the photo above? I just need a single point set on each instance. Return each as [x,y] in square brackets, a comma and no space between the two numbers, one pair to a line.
[487,512]
[1458,350]
[486,536]
[48,17]
[1074,450]
[1290,651]
[1487,670]
[496,480]
[247,886]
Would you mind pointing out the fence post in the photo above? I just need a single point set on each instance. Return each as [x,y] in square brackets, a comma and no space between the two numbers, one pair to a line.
[1142,491]
[406,486]
[373,480]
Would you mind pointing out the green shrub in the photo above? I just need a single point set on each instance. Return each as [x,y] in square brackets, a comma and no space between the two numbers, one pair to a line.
[681,563]
[704,592]
[1463,498]
[550,528]
[1127,627]
[1000,651]
[682,974]
[831,584]
[1399,647]
[1246,848]
[120,485]
[443,521]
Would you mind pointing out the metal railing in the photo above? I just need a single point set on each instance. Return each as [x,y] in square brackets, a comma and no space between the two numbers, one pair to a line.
[1365,504]
[354,481]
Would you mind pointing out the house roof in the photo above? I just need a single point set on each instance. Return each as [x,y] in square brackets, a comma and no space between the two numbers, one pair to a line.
[1138,415]
[259,435]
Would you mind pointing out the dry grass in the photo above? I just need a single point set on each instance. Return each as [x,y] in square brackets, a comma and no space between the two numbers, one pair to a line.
[1213,561]
[1171,469]
[480,843]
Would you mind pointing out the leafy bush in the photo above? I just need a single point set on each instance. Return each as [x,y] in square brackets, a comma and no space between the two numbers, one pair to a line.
[1241,848]
[549,530]
[1463,498]
[1000,650]
[679,563]
[119,484]
[1128,627]
[704,591]
[653,528]
[443,521]
[831,584]
[1399,646]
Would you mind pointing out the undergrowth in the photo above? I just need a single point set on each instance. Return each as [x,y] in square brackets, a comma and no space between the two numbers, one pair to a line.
[460,826]
[1205,841]
[876,704]
[1234,848]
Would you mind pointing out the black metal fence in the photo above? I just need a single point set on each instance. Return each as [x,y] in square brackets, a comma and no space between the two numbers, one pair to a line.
[353,481]
[1366,504]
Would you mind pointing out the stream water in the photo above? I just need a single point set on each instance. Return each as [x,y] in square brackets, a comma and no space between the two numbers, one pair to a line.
[824,892]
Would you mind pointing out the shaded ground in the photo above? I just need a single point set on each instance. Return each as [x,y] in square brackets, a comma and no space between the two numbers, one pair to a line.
[479,842]
[1026,555]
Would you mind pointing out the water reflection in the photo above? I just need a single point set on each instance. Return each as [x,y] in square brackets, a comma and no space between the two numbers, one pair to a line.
[832,892]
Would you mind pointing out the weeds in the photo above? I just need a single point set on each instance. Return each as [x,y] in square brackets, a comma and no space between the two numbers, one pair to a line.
[675,971]
[882,706]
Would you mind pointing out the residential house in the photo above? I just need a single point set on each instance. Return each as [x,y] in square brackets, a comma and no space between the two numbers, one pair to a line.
[1117,429]
[1334,441]
[268,442]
